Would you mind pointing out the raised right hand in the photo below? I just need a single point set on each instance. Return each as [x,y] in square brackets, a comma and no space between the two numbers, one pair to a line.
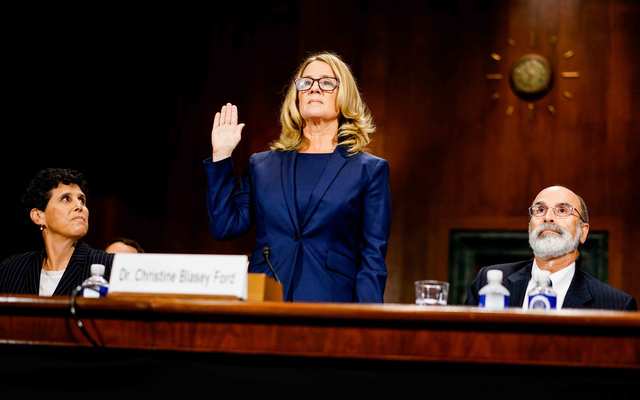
[225,134]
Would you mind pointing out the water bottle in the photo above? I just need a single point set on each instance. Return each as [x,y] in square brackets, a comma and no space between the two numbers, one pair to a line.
[95,285]
[494,296]
[542,296]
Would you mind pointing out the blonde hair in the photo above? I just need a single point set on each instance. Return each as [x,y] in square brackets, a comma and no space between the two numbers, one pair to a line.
[355,123]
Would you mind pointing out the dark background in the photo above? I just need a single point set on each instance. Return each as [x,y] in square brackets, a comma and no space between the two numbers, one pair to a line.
[127,94]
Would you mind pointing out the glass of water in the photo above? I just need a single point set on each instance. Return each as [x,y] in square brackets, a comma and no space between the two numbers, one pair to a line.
[432,293]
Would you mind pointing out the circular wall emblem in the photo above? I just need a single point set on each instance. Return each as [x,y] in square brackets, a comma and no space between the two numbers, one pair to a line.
[531,77]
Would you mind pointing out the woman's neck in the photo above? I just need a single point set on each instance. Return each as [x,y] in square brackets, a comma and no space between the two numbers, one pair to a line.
[59,252]
[321,136]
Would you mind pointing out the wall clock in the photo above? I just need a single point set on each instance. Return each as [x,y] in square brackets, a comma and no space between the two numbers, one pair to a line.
[530,77]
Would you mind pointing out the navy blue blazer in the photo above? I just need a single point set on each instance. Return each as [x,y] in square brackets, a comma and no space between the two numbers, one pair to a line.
[336,251]
[585,291]
[20,274]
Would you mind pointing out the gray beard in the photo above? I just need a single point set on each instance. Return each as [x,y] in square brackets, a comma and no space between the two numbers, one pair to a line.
[553,246]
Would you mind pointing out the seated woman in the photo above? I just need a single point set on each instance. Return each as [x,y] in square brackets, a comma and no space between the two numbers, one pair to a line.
[56,202]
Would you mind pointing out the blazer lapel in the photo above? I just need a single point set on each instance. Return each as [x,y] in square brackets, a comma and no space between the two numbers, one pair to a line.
[288,173]
[578,294]
[33,275]
[518,284]
[337,160]
[75,271]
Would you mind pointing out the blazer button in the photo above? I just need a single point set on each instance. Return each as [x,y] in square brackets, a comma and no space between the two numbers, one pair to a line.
[296,237]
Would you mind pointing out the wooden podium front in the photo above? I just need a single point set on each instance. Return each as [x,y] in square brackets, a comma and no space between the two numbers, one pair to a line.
[158,344]
[263,288]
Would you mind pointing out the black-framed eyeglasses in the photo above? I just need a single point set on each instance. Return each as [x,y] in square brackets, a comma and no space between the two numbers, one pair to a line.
[326,84]
[562,210]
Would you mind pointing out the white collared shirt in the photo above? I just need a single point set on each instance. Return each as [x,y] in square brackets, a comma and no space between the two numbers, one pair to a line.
[560,282]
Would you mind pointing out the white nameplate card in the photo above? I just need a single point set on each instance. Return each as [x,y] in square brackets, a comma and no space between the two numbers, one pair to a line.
[219,275]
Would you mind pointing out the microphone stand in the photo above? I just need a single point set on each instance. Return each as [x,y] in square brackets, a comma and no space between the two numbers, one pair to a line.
[266,251]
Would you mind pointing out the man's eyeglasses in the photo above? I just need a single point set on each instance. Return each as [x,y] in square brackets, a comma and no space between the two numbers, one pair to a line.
[326,84]
[562,210]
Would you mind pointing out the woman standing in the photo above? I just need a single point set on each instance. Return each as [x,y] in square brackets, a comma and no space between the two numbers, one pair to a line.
[321,204]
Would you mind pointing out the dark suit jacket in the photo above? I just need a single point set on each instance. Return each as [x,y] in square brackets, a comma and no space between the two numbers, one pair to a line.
[20,274]
[336,251]
[585,291]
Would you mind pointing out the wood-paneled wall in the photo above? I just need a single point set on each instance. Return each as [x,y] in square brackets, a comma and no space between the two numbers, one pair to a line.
[458,158]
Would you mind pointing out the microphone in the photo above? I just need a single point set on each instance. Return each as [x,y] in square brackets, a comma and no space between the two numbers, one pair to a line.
[266,251]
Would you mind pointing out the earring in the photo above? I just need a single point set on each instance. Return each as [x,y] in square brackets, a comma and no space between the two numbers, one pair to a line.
[41,228]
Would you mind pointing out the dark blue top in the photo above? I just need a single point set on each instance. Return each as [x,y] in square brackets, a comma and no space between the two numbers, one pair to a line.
[342,239]
[309,168]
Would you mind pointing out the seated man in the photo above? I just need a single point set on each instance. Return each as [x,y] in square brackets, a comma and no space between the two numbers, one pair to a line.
[559,224]
[124,245]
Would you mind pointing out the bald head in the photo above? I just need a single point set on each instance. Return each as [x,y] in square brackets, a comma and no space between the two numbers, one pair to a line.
[559,194]
[120,247]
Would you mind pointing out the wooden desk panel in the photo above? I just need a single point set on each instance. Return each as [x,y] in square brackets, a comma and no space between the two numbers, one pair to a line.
[372,332]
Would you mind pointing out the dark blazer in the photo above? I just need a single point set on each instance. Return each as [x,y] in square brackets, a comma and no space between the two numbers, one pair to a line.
[336,251]
[20,274]
[585,291]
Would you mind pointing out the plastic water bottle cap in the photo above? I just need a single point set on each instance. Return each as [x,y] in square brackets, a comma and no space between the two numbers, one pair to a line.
[97,269]
[494,275]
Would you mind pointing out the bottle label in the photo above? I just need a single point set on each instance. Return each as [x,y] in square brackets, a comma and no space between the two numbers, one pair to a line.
[91,292]
[494,302]
[542,302]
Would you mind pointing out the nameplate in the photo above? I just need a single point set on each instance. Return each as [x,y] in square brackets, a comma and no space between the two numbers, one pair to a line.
[199,274]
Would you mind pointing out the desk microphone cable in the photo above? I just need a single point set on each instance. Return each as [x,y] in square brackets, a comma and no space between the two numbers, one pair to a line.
[73,310]
[266,253]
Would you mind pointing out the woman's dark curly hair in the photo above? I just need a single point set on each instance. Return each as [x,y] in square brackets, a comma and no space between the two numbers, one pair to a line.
[39,189]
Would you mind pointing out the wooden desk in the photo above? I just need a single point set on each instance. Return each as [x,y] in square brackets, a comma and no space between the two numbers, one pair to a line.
[278,342]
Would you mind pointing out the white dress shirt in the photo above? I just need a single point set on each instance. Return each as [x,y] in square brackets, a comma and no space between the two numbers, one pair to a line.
[560,282]
[49,281]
